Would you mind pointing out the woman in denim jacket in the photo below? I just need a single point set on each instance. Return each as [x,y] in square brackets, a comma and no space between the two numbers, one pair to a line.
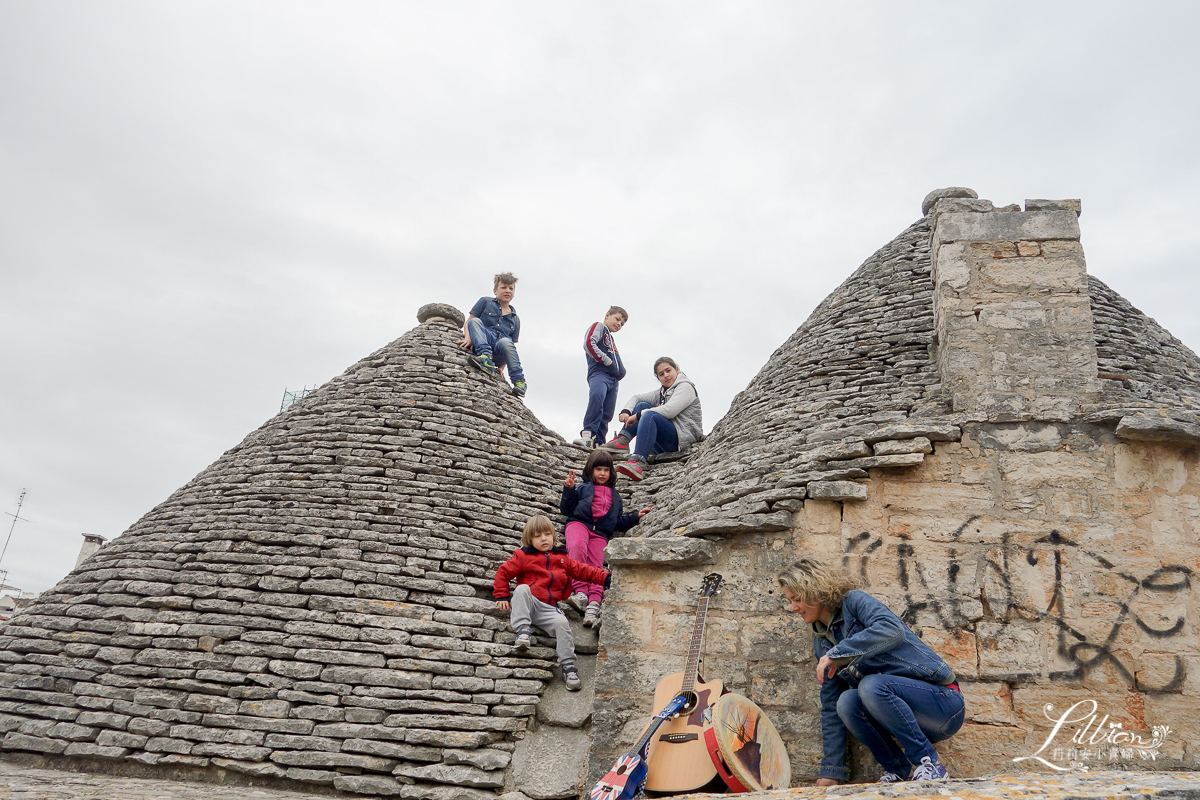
[878,680]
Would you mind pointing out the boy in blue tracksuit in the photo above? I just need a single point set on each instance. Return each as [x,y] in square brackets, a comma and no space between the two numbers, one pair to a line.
[491,332]
[605,370]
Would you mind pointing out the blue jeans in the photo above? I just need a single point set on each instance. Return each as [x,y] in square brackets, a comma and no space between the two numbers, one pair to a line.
[898,719]
[602,404]
[502,350]
[654,433]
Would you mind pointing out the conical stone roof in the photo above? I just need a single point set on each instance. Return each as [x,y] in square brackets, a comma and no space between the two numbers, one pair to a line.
[861,370]
[316,604]
[1141,362]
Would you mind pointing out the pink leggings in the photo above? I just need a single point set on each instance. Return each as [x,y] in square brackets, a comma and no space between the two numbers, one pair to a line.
[586,548]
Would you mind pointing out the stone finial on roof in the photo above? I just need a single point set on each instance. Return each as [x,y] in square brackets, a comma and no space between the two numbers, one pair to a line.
[436,311]
[950,191]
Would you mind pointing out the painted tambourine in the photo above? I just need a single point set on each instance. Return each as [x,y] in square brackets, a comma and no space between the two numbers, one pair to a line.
[746,748]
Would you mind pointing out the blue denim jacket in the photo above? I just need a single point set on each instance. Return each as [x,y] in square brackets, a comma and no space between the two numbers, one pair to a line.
[492,316]
[878,642]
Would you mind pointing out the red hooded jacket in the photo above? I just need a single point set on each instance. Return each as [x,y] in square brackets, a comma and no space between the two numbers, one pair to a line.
[548,575]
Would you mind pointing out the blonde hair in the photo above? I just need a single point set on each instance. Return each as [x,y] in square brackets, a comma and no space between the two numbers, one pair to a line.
[817,582]
[537,524]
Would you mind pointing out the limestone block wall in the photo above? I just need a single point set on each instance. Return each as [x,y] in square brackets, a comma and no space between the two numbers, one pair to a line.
[1013,313]
[1047,562]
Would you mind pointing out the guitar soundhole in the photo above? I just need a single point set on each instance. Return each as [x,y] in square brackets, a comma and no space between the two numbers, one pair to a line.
[621,769]
[690,705]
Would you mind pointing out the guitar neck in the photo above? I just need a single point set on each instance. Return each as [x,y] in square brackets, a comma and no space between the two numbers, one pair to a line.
[693,661]
[658,719]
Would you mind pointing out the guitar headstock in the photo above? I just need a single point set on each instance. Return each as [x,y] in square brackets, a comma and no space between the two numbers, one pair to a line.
[712,582]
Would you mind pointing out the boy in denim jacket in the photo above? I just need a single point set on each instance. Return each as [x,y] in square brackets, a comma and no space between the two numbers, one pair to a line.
[492,330]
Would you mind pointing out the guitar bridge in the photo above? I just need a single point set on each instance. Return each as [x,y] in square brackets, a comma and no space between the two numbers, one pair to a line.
[678,738]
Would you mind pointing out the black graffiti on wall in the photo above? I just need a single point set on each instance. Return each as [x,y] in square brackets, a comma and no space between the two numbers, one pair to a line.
[956,606]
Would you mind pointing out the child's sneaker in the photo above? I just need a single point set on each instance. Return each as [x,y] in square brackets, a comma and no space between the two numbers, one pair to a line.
[524,639]
[578,601]
[571,678]
[618,444]
[591,617]
[519,388]
[890,777]
[634,469]
[929,770]
[485,363]
[586,440]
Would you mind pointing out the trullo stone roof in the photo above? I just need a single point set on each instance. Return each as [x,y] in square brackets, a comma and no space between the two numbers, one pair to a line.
[857,384]
[316,604]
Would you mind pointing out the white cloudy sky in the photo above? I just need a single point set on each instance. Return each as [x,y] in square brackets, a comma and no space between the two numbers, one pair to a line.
[204,203]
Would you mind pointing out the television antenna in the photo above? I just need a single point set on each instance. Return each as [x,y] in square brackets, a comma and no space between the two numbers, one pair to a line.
[16,516]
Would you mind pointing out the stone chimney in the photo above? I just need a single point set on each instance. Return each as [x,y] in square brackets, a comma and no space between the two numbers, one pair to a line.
[91,543]
[1011,306]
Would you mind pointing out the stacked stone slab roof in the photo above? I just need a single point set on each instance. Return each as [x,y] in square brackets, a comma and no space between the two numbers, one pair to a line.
[856,387]
[1144,365]
[315,605]
[860,365]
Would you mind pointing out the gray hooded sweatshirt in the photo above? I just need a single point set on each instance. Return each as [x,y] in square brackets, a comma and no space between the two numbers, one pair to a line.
[680,403]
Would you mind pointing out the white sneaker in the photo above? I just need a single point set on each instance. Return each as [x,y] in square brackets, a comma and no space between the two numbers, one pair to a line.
[591,618]
[578,601]
[929,770]
[586,440]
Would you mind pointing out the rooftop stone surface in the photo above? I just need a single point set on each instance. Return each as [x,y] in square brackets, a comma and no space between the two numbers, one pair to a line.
[22,783]
[861,368]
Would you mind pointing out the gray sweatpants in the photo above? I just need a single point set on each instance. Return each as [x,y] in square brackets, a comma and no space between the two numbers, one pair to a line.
[527,610]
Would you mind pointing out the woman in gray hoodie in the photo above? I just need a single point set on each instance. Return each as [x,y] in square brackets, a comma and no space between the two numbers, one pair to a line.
[661,421]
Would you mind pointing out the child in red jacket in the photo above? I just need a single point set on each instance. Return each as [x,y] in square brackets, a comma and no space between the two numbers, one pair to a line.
[543,573]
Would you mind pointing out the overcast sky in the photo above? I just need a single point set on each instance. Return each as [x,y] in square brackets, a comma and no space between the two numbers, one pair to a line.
[202,204]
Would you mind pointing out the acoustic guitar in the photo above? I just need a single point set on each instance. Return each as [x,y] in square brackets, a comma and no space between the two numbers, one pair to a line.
[627,778]
[678,759]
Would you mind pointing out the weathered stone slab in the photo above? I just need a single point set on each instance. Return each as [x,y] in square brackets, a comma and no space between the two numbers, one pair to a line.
[259,768]
[911,429]
[895,447]
[1147,428]
[408,752]
[322,759]
[487,759]
[459,774]
[550,765]
[1073,205]
[675,551]
[38,744]
[837,490]
[831,472]
[445,311]
[839,452]
[878,462]
[368,784]
[1005,227]
[749,523]
[570,709]
[437,791]
[949,191]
